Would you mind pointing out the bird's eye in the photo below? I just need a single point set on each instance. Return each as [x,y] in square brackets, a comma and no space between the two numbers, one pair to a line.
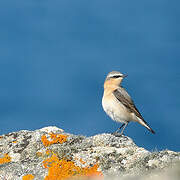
[116,76]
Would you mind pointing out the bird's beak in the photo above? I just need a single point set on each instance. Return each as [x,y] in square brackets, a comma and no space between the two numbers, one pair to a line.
[125,75]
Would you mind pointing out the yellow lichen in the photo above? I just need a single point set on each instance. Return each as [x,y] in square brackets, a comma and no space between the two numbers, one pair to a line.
[39,154]
[81,161]
[28,177]
[48,152]
[5,159]
[61,169]
[55,138]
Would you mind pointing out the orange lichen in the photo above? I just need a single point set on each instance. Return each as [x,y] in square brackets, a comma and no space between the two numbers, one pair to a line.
[28,177]
[64,169]
[5,159]
[48,152]
[55,138]
[14,142]
[81,161]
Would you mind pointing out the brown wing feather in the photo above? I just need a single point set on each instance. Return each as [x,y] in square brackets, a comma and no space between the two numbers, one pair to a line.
[126,100]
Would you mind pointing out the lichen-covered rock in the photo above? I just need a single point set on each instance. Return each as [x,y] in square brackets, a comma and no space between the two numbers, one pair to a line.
[50,153]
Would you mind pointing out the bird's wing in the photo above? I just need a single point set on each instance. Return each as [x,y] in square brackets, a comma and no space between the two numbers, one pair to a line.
[122,96]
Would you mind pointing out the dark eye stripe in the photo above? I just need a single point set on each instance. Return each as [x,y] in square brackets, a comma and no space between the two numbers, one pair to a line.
[117,76]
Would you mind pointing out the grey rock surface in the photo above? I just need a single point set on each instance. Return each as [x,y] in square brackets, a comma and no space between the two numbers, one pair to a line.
[117,157]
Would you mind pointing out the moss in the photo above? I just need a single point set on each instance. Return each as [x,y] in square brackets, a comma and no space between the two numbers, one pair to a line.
[61,169]
[64,152]
[130,152]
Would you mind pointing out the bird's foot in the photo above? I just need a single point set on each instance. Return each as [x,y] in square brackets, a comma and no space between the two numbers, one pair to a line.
[117,134]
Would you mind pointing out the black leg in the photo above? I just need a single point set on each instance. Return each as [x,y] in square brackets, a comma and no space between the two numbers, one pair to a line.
[119,128]
[124,128]
[116,132]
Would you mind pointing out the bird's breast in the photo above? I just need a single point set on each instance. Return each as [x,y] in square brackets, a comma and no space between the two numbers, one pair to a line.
[115,109]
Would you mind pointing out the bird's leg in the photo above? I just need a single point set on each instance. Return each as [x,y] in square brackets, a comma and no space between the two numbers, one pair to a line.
[119,128]
[125,124]
[116,132]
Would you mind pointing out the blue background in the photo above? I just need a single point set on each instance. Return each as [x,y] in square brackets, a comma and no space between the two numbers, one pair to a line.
[55,55]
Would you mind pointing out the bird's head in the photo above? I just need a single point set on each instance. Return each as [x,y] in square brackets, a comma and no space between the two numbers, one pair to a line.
[115,78]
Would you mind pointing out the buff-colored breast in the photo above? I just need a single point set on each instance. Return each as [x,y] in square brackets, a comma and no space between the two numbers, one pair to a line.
[115,109]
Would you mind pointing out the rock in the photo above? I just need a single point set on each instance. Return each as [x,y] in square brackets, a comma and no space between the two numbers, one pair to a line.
[51,153]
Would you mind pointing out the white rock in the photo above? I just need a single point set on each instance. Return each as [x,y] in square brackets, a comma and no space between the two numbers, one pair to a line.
[153,162]
[14,156]
[51,129]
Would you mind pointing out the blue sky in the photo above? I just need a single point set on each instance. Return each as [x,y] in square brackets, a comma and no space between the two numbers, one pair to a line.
[54,56]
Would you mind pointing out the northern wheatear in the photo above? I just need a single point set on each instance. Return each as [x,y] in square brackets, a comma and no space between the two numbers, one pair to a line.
[118,104]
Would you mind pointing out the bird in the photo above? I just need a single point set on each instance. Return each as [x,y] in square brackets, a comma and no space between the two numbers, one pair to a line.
[118,105]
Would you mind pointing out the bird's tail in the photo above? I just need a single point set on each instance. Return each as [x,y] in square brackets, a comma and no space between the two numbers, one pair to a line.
[145,124]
